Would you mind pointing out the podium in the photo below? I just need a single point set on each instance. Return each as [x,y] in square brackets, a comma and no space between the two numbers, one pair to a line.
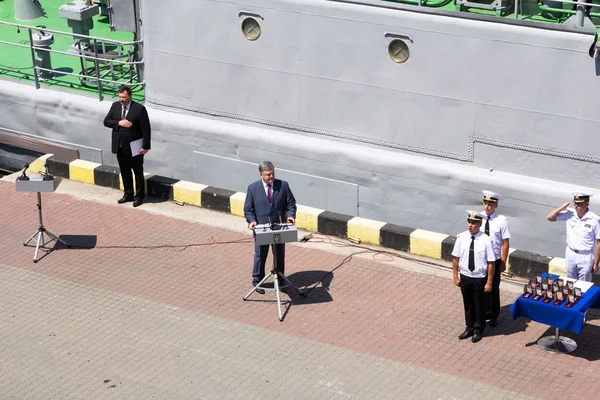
[39,185]
[273,234]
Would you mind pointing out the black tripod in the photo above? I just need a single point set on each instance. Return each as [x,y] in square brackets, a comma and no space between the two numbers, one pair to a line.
[41,242]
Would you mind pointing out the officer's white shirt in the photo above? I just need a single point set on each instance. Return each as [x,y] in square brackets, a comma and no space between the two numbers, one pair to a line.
[498,232]
[483,254]
[581,233]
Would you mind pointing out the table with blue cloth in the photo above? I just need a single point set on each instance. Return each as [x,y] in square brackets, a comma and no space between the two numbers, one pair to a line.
[559,317]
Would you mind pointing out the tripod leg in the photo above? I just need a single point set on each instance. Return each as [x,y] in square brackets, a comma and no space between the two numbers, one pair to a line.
[37,248]
[258,286]
[276,283]
[53,236]
[30,238]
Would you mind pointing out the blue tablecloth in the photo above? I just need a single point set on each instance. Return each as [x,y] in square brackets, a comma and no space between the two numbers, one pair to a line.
[557,316]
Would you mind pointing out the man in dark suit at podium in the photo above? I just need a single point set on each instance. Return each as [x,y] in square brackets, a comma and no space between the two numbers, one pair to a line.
[268,200]
[129,122]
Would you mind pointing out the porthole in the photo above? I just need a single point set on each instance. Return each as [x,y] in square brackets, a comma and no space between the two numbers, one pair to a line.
[398,50]
[251,28]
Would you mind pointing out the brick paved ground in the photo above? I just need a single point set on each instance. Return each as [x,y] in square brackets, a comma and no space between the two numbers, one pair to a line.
[170,323]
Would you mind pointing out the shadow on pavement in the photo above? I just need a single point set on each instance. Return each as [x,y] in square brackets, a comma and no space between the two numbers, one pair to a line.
[315,285]
[77,242]
[506,324]
[587,343]
[155,199]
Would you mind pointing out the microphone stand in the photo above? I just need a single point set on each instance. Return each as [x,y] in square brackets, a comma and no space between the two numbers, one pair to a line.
[41,230]
[275,273]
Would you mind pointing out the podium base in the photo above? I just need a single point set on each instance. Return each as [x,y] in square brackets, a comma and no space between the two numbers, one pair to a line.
[41,242]
[275,274]
[557,344]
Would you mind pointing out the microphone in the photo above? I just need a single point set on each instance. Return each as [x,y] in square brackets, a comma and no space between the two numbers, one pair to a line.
[24,176]
[281,225]
[47,176]
[275,227]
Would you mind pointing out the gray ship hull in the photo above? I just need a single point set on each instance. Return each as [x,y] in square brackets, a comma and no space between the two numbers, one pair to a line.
[477,105]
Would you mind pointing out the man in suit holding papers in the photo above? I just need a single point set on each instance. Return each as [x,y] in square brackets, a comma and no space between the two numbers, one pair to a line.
[130,141]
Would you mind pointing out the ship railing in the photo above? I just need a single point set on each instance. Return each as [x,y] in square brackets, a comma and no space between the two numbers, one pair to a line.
[111,65]
[546,6]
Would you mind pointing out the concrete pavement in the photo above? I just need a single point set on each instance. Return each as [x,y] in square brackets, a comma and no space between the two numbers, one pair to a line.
[118,317]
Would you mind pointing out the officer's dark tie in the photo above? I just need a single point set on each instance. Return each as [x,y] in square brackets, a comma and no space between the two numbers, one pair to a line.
[472,254]
[487,226]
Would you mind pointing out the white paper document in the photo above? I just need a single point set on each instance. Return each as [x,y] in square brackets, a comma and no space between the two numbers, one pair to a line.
[136,146]
[583,285]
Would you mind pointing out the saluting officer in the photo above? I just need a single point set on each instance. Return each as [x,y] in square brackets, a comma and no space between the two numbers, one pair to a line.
[582,254]
[496,227]
[474,257]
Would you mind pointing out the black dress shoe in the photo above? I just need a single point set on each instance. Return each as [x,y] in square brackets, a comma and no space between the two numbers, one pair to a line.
[466,334]
[260,291]
[476,337]
[125,199]
[493,322]
[137,202]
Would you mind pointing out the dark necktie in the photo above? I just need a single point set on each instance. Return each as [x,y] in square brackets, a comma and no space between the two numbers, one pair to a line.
[123,113]
[487,226]
[472,254]
[269,194]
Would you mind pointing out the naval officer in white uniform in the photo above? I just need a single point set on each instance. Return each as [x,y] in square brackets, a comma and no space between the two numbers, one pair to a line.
[496,227]
[583,237]
[474,257]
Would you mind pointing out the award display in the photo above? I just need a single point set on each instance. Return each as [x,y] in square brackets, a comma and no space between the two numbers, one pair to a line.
[527,290]
[558,284]
[570,300]
[558,298]
[537,294]
[547,296]
[533,280]
[556,291]
[562,282]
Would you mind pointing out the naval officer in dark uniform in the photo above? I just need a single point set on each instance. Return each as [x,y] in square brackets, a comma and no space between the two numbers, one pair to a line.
[474,258]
